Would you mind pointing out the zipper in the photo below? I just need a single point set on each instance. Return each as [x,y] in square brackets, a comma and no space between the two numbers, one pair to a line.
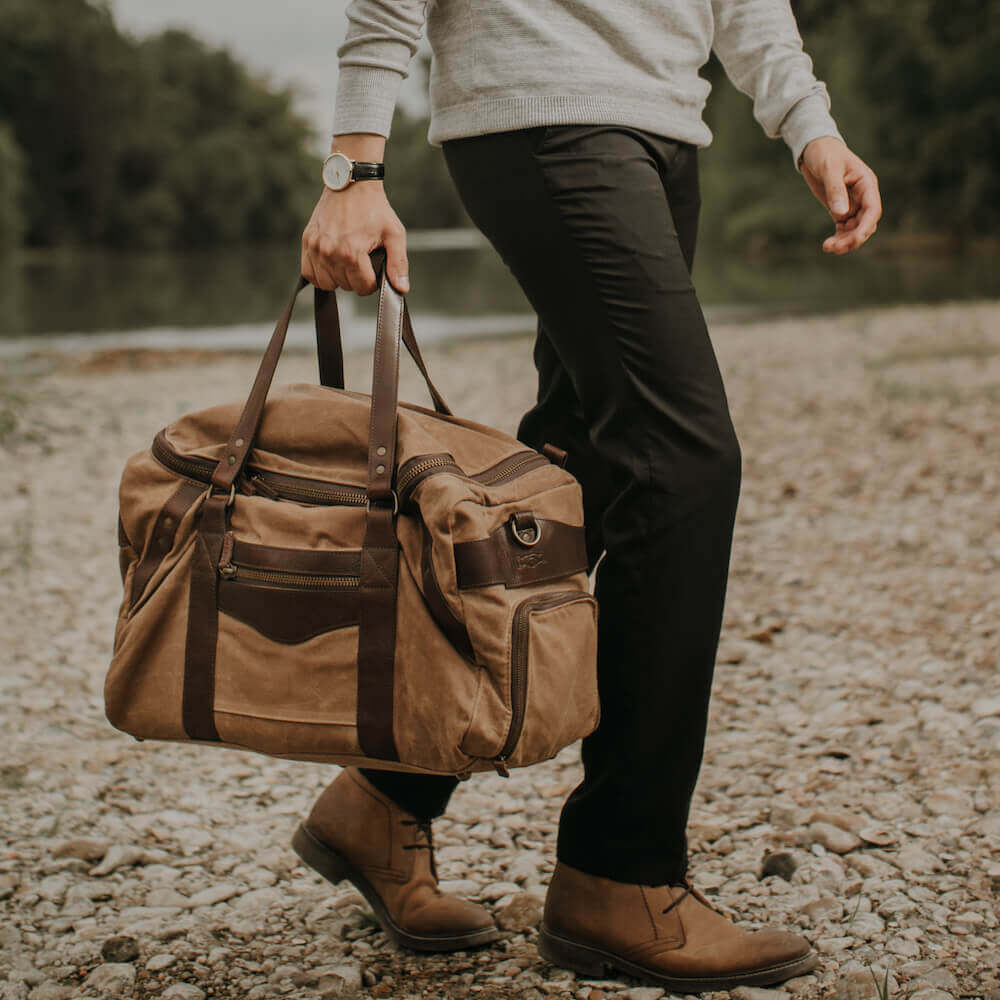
[520,635]
[416,470]
[280,578]
[279,485]
[270,484]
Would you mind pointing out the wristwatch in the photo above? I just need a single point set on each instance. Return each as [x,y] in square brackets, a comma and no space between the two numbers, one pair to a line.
[340,170]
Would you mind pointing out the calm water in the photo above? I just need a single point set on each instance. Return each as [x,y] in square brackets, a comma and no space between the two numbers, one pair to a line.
[234,294]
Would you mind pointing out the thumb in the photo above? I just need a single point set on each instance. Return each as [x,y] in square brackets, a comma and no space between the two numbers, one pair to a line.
[396,265]
[836,194]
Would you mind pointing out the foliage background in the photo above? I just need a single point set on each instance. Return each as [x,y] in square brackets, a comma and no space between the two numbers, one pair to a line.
[164,142]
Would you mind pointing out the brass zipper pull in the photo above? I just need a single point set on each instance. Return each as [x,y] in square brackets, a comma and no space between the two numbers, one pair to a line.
[226,567]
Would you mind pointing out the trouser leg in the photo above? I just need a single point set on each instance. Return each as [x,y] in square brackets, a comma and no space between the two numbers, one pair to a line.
[424,795]
[596,224]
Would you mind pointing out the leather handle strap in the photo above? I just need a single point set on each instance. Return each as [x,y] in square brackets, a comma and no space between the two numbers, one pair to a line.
[330,347]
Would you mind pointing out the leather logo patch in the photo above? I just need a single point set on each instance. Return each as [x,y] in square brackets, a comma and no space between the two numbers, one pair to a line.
[529,560]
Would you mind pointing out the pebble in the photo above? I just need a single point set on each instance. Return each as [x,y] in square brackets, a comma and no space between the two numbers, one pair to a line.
[643,993]
[756,993]
[931,994]
[114,979]
[833,838]
[522,913]
[118,856]
[120,949]
[162,960]
[780,863]
[183,991]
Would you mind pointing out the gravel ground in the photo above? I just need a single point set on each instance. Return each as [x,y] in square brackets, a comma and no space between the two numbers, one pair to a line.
[851,784]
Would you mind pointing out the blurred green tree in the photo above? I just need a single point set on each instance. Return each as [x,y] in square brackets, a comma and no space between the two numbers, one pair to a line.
[163,142]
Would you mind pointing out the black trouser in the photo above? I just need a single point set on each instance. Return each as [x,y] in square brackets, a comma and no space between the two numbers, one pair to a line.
[598,223]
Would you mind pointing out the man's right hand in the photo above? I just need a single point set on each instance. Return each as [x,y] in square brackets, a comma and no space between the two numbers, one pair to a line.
[347,225]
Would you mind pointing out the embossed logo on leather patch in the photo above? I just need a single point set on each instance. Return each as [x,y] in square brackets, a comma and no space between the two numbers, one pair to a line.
[529,560]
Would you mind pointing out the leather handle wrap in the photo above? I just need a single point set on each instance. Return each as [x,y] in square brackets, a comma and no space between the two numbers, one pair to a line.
[330,347]
[331,360]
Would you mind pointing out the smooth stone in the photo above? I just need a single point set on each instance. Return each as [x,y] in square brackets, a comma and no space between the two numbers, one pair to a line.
[833,838]
[522,913]
[781,863]
[213,894]
[120,949]
[83,849]
[183,991]
[159,962]
[115,979]
[497,890]
[931,994]
[757,993]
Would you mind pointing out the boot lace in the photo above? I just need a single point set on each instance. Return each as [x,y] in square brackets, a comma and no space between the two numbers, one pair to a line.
[687,891]
[427,844]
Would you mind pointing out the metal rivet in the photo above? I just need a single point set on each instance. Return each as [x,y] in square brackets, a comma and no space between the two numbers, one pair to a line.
[164,543]
[231,459]
[381,449]
[239,442]
[168,522]
[379,469]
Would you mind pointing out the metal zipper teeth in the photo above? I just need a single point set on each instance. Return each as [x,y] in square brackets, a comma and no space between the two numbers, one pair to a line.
[301,581]
[413,475]
[519,667]
[290,487]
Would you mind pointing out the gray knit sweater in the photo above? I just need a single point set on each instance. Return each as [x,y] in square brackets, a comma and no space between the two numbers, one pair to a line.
[506,64]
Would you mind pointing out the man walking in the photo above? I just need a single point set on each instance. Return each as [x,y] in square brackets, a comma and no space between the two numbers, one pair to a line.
[571,130]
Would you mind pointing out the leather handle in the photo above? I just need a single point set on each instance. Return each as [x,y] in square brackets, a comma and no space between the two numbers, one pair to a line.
[330,346]
[392,326]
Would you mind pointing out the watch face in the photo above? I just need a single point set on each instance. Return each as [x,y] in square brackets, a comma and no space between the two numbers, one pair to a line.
[337,171]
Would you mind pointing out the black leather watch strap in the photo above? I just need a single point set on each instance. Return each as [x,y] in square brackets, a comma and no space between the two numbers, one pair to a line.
[367,171]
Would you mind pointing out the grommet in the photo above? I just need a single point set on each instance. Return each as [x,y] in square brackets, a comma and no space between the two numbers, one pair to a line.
[379,469]
[239,442]
[231,459]
[381,449]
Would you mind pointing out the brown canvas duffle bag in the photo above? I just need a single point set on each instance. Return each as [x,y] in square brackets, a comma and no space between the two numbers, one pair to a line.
[321,574]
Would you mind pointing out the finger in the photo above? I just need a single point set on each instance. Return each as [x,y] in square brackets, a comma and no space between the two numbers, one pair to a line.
[325,277]
[360,274]
[835,193]
[396,265]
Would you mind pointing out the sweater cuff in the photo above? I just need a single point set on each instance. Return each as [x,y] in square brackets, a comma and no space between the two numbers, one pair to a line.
[809,119]
[366,99]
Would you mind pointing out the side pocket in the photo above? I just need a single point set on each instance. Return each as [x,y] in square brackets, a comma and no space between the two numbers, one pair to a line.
[553,680]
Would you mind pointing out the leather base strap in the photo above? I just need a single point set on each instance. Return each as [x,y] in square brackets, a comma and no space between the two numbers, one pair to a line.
[377,635]
[198,699]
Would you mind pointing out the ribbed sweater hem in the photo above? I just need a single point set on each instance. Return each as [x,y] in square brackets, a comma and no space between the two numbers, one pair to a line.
[504,114]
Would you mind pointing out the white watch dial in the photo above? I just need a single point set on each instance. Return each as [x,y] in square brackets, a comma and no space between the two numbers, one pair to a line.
[337,171]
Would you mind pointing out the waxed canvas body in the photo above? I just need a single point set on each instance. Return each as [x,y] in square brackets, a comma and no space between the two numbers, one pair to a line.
[495,649]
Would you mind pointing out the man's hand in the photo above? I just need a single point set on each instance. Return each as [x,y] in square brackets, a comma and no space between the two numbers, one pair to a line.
[847,188]
[347,225]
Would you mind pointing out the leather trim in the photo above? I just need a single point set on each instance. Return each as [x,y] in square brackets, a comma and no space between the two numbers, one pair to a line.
[439,608]
[332,562]
[377,636]
[561,551]
[287,615]
[164,532]
[198,699]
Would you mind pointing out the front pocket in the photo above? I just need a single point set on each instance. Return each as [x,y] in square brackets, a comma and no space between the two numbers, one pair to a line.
[553,667]
[289,595]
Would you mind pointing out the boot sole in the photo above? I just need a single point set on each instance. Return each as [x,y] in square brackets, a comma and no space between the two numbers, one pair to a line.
[335,868]
[596,964]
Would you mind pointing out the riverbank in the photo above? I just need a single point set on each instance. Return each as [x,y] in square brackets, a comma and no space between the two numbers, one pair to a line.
[851,786]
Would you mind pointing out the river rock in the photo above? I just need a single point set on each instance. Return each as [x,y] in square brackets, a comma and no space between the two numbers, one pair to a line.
[522,913]
[183,991]
[120,949]
[833,838]
[114,979]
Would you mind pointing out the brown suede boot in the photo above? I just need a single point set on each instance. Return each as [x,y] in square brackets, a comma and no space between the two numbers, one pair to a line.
[665,935]
[354,832]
